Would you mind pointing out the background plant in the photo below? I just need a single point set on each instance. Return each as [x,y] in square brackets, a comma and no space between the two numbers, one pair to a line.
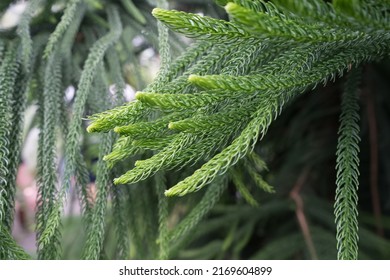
[201,120]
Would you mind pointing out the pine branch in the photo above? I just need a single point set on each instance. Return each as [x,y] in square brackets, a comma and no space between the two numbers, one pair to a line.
[9,72]
[175,102]
[96,229]
[83,189]
[345,207]
[163,239]
[146,168]
[47,182]
[125,114]
[258,179]
[9,249]
[61,28]
[179,65]
[133,11]
[122,149]
[209,199]
[94,58]
[23,31]
[95,234]
[121,222]
[278,25]
[195,26]
[229,156]
[18,105]
[163,212]
[51,228]
[238,180]
[326,52]
[368,13]
[134,205]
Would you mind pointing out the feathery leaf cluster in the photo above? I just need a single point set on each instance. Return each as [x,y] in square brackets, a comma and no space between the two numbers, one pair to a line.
[240,103]
[215,108]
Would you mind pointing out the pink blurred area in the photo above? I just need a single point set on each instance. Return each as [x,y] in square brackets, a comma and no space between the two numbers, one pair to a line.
[25,206]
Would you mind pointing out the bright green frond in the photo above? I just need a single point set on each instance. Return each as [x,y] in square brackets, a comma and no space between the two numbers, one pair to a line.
[237,178]
[122,149]
[125,114]
[178,102]
[146,168]
[222,161]
[277,25]
[197,26]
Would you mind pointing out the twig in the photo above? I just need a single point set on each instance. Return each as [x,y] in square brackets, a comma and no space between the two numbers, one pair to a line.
[299,211]
[373,136]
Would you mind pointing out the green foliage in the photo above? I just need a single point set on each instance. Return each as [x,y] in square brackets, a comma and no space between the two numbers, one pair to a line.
[243,104]
[8,77]
[204,128]
[23,31]
[65,22]
[47,169]
[9,249]
[348,172]
[275,84]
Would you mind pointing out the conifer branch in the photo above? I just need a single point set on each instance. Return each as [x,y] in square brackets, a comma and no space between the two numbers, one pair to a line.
[163,212]
[195,26]
[209,199]
[95,234]
[133,11]
[66,20]
[18,105]
[94,58]
[179,65]
[278,25]
[345,207]
[23,31]
[238,181]
[97,220]
[228,157]
[163,239]
[122,115]
[9,71]
[48,172]
[9,249]
[119,202]
[122,149]
[291,70]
